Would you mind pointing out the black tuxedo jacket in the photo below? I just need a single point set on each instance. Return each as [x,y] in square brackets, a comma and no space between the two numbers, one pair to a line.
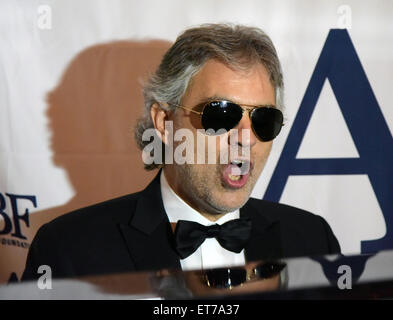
[133,233]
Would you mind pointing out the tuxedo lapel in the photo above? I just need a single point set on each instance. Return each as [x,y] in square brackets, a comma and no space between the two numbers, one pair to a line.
[265,239]
[148,235]
[150,240]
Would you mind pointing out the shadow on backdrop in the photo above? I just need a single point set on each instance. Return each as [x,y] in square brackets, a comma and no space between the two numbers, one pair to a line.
[91,114]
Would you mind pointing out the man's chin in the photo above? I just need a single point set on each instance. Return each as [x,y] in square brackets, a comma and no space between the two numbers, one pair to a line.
[230,201]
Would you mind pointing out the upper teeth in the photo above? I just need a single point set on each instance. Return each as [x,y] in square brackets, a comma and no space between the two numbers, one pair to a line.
[242,165]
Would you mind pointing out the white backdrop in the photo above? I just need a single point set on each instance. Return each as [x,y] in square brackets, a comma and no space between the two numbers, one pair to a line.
[38,39]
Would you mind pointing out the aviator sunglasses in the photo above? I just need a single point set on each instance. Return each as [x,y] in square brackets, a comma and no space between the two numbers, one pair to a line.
[222,114]
[227,278]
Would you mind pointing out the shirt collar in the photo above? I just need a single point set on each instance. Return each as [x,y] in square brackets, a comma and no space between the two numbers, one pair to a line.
[176,209]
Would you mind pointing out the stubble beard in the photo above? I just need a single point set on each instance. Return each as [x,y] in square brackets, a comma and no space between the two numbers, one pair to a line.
[198,187]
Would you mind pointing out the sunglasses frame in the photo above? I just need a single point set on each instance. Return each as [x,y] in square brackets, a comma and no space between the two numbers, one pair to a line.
[245,107]
[254,274]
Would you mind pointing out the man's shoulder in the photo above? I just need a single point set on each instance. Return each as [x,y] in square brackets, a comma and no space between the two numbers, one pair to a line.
[286,214]
[118,210]
[84,241]
[302,233]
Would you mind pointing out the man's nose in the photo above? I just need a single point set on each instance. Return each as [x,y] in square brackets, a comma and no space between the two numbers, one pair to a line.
[245,136]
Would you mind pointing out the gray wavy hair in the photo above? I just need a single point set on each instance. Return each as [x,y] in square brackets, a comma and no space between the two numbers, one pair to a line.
[237,46]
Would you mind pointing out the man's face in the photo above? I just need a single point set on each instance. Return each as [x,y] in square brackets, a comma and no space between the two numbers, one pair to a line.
[208,188]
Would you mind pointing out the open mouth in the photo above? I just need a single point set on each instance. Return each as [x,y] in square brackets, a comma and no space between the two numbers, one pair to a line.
[236,173]
[240,167]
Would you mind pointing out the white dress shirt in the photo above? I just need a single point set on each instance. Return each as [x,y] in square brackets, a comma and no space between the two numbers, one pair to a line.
[210,254]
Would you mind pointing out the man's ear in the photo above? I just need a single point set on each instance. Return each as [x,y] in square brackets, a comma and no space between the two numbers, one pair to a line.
[159,116]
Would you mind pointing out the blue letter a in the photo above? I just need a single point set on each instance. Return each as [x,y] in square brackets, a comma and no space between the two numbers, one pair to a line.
[340,64]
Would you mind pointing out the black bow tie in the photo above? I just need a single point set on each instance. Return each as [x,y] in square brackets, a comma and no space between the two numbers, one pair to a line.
[232,235]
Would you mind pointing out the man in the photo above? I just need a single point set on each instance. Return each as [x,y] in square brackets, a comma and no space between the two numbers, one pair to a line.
[195,214]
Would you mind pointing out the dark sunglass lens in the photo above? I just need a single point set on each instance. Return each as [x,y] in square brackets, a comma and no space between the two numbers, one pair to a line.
[217,278]
[225,278]
[237,276]
[267,122]
[269,269]
[221,115]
